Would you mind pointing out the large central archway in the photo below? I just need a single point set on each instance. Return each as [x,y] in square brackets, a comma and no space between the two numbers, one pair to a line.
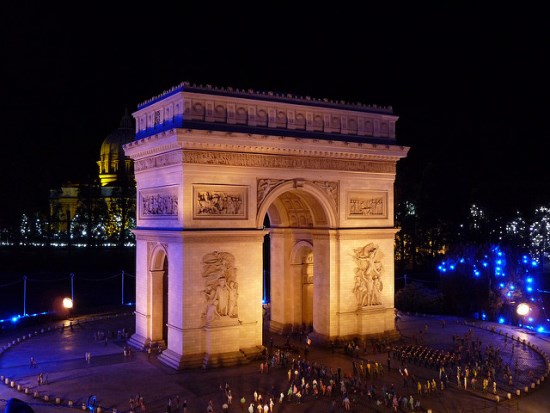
[213,166]
[298,213]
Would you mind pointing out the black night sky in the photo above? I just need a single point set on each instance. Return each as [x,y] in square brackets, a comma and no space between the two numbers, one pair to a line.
[470,85]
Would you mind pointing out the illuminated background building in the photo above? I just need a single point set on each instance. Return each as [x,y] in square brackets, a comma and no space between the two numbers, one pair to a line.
[100,208]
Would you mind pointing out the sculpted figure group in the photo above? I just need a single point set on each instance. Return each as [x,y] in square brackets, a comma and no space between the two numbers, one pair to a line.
[368,276]
[221,287]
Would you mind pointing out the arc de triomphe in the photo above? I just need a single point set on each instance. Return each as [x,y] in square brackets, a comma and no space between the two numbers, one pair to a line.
[210,165]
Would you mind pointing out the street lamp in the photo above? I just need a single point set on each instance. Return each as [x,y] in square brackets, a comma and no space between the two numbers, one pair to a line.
[522,310]
[67,303]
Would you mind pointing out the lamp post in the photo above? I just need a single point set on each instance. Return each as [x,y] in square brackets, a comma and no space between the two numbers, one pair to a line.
[68,221]
[24,295]
[72,286]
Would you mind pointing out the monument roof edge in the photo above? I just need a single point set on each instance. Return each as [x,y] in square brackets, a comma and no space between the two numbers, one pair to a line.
[288,98]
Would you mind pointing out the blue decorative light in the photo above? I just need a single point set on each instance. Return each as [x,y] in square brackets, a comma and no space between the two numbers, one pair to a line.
[517,280]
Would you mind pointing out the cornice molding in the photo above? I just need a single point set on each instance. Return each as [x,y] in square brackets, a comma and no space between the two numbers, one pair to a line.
[243,143]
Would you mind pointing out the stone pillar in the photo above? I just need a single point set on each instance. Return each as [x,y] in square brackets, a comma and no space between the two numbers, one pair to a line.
[205,334]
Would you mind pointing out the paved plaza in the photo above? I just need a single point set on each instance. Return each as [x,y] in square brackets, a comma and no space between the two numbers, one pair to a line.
[112,376]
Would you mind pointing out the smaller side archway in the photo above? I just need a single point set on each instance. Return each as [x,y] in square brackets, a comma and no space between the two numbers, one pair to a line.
[158,297]
[302,262]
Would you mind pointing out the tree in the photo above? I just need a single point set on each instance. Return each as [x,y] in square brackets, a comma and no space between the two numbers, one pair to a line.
[539,232]
[88,224]
[415,297]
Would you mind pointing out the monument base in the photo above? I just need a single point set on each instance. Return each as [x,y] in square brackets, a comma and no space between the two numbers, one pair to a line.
[180,362]
[366,323]
[138,341]
[204,360]
[220,342]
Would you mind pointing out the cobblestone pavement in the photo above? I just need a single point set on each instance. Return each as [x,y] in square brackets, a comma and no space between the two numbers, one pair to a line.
[113,378]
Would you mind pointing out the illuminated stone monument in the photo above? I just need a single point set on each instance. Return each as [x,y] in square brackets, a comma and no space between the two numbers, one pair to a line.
[210,165]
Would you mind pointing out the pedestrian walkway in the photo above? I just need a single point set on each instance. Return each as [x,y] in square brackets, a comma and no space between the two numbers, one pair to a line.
[114,379]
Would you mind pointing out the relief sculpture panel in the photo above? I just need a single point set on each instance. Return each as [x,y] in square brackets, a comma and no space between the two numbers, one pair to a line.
[220,202]
[221,290]
[368,204]
[368,275]
[158,203]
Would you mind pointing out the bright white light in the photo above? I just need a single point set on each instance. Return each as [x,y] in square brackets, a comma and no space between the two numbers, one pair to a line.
[522,309]
[67,303]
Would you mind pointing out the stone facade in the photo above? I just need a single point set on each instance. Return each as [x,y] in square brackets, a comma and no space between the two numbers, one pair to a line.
[210,165]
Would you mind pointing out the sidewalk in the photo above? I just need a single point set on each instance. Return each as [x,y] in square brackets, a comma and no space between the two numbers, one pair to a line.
[113,378]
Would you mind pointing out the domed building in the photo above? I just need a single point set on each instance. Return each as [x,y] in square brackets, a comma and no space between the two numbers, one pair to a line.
[110,200]
[114,166]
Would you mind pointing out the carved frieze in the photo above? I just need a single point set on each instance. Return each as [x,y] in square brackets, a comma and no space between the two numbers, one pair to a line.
[287,162]
[165,159]
[158,203]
